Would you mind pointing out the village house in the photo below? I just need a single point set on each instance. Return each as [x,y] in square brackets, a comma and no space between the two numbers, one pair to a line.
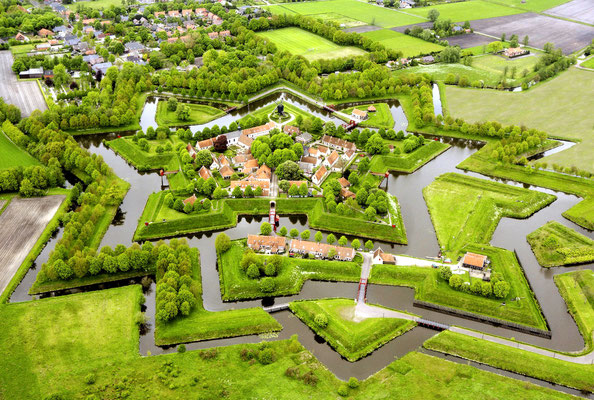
[348,155]
[45,33]
[190,200]
[331,160]
[264,173]
[338,144]
[243,184]
[224,34]
[323,150]
[205,144]
[245,141]
[347,194]
[512,52]
[306,168]
[304,138]
[134,46]
[314,161]
[379,257]
[241,159]
[321,250]
[173,14]
[232,137]
[187,13]
[226,172]
[344,182]
[311,151]
[213,35]
[191,151]
[319,176]
[250,166]
[21,38]
[267,244]
[257,131]
[205,173]
[359,115]
[475,261]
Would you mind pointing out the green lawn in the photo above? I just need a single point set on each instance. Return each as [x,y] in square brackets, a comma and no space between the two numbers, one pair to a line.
[431,288]
[589,63]
[96,4]
[409,162]
[352,9]
[532,5]
[204,325]
[410,46]
[293,272]
[381,118]
[142,160]
[568,116]
[13,156]
[555,244]
[439,72]
[582,213]
[44,342]
[311,46]
[577,289]
[467,210]
[199,114]
[467,10]
[351,339]
[496,64]
[579,376]
[22,49]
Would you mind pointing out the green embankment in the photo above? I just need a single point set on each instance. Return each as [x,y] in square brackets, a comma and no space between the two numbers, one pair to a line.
[293,272]
[204,325]
[407,162]
[582,213]
[579,376]
[431,288]
[199,114]
[467,210]
[13,155]
[351,339]
[577,289]
[142,160]
[554,245]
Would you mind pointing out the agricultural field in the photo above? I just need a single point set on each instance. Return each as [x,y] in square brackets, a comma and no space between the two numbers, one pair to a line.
[578,10]
[582,213]
[26,95]
[381,118]
[467,210]
[14,156]
[467,10]
[569,116]
[533,5]
[350,337]
[311,46]
[96,4]
[199,114]
[351,9]
[554,245]
[410,46]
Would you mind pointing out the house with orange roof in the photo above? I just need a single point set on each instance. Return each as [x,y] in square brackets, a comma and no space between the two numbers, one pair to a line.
[159,14]
[319,176]
[338,144]
[347,194]
[475,261]
[191,151]
[359,115]
[225,34]
[187,13]
[321,250]
[243,184]
[213,35]
[250,166]
[264,173]
[245,141]
[290,130]
[45,33]
[226,172]
[241,159]
[379,257]
[173,14]
[331,160]
[267,244]
[344,182]
[205,144]
[205,173]
[323,150]
[191,200]
[259,130]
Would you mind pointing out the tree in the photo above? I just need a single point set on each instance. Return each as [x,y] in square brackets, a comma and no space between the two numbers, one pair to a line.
[342,241]
[433,15]
[294,190]
[331,253]
[353,178]
[369,245]
[526,40]
[220,144]
[450,55]
[294,232]
[288,170]
[265,228]
[303,189]
[355,244]
[237,193]
[456,281]
[494,47]
[253,272]
[370,213]
[283,231]
[222,243]
[321,320]
[445,272]
[331,239]
[305,234]
[501,289]
[318,237]
[182,112]
[172,104]
[284,186]
[267,285]
[375,145]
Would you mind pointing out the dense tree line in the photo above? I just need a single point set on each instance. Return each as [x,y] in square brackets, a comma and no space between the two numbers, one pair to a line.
[497,287]
[14,20]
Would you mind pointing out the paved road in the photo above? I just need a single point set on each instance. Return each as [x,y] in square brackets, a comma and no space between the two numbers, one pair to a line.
[274,186]
[21,224]
[26,95]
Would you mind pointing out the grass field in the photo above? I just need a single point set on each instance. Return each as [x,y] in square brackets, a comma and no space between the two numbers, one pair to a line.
[577,289]
[561,107]
[142,160]
[13,156]
[579,376]
[199,114]
[582,213]
[467,210]
[555,244]
[21,49]
[410,46]
[309,45]
[532,5]
[352,9]
[96,4]
[467,10]
[589,63]
[293,272]
[439,72]
[410,162]
[204,325]
[431,288]
[497,64]
[381,118]
[352,340]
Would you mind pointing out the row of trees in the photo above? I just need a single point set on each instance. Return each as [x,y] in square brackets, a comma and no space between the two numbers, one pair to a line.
[497,287]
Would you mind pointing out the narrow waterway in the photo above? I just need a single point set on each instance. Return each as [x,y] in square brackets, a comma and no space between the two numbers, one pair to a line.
[510,234]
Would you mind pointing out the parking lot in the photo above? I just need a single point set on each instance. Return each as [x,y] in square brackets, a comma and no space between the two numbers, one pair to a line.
[579,10]
[26,95]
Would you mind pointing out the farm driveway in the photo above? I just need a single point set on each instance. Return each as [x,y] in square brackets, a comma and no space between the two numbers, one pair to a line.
[21,224]
[26,95]
[579,10]
[569,36]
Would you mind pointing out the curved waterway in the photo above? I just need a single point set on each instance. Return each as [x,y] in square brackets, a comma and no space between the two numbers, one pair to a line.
[510,234]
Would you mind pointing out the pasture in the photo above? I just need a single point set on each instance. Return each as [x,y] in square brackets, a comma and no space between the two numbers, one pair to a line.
[533,5]
[497,64]
[555,244]
[410,46]
[561,107]
[14,156]
[351,9]
[467,10]
[309,45]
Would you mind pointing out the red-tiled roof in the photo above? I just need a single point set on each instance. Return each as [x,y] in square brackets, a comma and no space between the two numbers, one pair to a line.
[475,260]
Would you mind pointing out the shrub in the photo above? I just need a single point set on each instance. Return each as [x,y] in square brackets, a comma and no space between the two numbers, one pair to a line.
[445,272]
[90,378]
[353,382]
[270,269]
[253,271]
[343,390]
[266,356]
[321,320]
[267,285]
[181,348]
[292,372]
[309,378]
[208,354]
[222,243]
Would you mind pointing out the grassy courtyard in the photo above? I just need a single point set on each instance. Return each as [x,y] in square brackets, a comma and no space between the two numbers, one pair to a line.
[309,45]
[555,244]
[560,107]
[410,46]
[14,156]
[352,339]
[199,114]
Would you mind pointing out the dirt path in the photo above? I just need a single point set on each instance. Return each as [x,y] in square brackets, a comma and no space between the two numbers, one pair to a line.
[21,224]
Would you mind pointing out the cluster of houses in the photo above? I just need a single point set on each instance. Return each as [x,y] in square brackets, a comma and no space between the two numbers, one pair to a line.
[278,245]
[331,154]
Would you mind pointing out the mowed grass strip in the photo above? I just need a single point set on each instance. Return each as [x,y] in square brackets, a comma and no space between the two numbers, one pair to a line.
[352,340]
[12,155]
[578,376]
[577,289]
[555,244]
[410,46]
[467,10]
[303,43]
[358,10]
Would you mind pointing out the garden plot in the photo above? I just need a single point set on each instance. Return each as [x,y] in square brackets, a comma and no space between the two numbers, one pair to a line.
[579,10]
[26,95]
[569,36]
[21,223]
